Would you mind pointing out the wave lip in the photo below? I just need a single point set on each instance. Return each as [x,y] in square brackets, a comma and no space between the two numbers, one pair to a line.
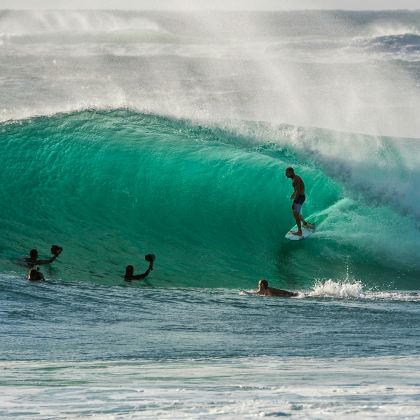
[409,42]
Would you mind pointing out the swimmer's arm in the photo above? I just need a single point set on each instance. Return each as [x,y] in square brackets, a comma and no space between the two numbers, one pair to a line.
[48,261]
[142,276]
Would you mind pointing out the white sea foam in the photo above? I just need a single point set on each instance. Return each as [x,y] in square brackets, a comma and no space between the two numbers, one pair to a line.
[355,289]
[340,289]
[221,388]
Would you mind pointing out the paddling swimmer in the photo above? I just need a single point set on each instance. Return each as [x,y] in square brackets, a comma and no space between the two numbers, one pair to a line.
[129,270]
[298,198]
[35,275]
[33,260]
[264,290]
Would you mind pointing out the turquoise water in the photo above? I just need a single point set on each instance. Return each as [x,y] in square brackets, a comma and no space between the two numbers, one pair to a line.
[127,133]
[110,186]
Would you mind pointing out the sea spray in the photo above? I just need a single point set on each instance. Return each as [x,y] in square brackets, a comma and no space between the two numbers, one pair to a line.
[337,289]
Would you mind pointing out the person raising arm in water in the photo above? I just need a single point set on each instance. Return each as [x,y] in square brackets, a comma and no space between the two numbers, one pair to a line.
[33,260]
[264,290]
[298,198]
[129,270]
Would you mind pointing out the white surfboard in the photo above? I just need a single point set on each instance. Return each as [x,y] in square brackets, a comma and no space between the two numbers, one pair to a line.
[305,233]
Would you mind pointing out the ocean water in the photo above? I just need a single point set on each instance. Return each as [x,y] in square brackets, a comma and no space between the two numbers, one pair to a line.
[124,133]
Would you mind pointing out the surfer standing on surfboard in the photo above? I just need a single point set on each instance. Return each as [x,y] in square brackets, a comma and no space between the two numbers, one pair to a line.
[298,198]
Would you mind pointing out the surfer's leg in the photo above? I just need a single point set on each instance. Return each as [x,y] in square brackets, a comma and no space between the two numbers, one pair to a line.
[296,214]
[304,222]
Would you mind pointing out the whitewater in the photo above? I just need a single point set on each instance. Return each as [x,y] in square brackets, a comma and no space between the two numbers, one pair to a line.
[124,133]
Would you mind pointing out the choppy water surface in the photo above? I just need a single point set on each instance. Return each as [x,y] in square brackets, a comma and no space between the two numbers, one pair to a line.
[77,350]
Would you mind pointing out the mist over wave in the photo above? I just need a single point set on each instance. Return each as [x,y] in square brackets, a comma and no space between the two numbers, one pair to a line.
[348,71]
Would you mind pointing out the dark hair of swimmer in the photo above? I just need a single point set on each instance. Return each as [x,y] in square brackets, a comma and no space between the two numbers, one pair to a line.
[290,170]
[35,275]
[264,283]
[129,270]
[33,254]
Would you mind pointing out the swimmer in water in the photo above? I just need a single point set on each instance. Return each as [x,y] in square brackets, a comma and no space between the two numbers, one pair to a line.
[35,275]
[129,270]
[33,260]
[264,290]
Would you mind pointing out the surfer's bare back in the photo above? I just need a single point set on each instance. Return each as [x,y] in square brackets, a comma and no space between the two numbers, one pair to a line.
[264,290]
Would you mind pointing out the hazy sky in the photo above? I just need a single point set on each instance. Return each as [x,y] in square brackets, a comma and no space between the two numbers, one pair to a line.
[212,4]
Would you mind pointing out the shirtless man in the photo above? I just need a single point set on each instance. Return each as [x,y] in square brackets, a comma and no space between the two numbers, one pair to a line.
[129,270]
[298,198]
[33,260]
[264,290]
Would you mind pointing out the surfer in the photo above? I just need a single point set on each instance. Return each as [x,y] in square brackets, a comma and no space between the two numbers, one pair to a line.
[264,290]
[129,270]
[298,198]
[33,260]
[35,275]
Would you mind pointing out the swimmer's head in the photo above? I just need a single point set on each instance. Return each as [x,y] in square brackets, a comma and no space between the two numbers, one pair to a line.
[263,284]
[129,270]
[33,254]
[33,274]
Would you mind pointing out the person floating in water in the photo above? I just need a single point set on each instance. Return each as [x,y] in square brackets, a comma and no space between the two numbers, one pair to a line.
[129,270]
[264,290]
[298,198]
[35,275]
[33,260]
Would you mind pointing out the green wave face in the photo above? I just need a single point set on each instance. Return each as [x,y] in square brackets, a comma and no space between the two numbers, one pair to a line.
[213,206]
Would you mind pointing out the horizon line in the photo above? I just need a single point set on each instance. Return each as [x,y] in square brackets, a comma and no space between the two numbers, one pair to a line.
[207,9]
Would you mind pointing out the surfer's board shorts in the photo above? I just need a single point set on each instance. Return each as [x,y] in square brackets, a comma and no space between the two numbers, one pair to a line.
[298,203]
